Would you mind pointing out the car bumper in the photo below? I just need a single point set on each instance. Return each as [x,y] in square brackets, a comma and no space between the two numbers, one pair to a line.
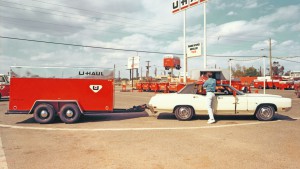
[150,110]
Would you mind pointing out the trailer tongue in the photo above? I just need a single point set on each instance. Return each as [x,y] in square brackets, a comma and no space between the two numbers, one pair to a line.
[67,92]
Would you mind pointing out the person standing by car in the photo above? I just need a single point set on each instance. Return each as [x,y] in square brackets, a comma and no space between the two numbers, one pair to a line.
[210,85]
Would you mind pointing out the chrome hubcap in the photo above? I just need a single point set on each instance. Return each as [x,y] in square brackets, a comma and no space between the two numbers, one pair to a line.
[184,112]
[266,112]
[69,113]
[44,114]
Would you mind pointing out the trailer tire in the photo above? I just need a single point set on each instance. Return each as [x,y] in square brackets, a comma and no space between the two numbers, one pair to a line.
[44,113]
[69,113]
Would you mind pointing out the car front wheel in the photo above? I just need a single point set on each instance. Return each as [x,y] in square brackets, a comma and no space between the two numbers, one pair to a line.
[184,113]
[265,113]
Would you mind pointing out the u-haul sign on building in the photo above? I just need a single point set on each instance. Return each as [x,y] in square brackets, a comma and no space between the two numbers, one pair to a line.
[179,5]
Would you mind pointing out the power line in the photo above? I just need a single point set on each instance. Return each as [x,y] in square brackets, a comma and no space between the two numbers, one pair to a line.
[61,25]
[73,14]
[288,60]
[88,46]
[228,56]
[286,57]
[130,50]
[245,60]
[102,13]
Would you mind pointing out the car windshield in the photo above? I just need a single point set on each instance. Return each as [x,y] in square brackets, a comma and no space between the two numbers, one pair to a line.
[189,89]
[220,90]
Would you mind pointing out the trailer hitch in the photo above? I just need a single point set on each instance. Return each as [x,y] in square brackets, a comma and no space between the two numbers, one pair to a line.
[139,108]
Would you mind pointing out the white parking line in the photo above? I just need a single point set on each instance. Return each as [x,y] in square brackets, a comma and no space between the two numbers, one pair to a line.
[137,129]
[3,163]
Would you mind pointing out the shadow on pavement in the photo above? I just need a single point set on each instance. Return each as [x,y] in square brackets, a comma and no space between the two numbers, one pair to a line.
[163,116]
[97,117]
[284,118]
[171,116]
[4,100]
[112,117]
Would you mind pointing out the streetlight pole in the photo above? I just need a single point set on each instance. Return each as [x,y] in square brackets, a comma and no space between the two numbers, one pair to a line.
[230,71]
[204,36]
[264,59]
[184,48]
[270,55]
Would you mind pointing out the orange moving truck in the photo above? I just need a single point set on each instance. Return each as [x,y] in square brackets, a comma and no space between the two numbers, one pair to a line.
[67,92]
[171,62]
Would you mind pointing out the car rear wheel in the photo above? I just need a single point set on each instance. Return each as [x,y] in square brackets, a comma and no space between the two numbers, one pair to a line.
[69,113]
[265,113]
[184,113]
[44,113]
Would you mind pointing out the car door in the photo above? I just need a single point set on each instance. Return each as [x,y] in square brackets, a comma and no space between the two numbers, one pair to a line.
[224,104]
[229,104]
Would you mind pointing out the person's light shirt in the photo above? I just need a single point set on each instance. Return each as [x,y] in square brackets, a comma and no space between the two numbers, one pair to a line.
[210,85]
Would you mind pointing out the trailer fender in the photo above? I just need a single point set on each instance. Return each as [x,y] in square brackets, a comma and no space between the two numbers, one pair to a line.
[57,104]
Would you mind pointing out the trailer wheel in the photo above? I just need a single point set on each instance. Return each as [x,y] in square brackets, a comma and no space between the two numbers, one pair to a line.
[44,113]
[184,113]
[69,113]
[265,113]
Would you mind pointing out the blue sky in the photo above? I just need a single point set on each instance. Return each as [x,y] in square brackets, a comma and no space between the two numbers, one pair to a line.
[234,28]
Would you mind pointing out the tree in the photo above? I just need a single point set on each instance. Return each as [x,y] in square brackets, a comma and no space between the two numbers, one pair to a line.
[277,69]
[287,73]
[237,71]
[251,71]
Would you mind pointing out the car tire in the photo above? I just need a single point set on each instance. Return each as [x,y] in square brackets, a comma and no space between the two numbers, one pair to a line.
[69,113]
[265,113]
[184,113]
[44,113]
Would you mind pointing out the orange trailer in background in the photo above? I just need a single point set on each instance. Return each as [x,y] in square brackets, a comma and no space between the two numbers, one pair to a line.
[297,88]
[4,86]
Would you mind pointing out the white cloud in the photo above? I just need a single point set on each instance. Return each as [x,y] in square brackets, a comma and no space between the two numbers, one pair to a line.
[296,27]
[264,45]
[285,14]
[231,13]
[251,4]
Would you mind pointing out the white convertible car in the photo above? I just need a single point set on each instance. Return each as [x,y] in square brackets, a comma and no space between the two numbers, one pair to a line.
[228,101]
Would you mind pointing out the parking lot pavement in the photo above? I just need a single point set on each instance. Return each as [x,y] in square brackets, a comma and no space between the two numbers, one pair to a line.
[135,140]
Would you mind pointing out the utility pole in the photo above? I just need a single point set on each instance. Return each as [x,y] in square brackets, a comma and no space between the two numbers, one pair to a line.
[270,50]
[230,69]
[114,70]
[204,37]
[141,73]
[147,67]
